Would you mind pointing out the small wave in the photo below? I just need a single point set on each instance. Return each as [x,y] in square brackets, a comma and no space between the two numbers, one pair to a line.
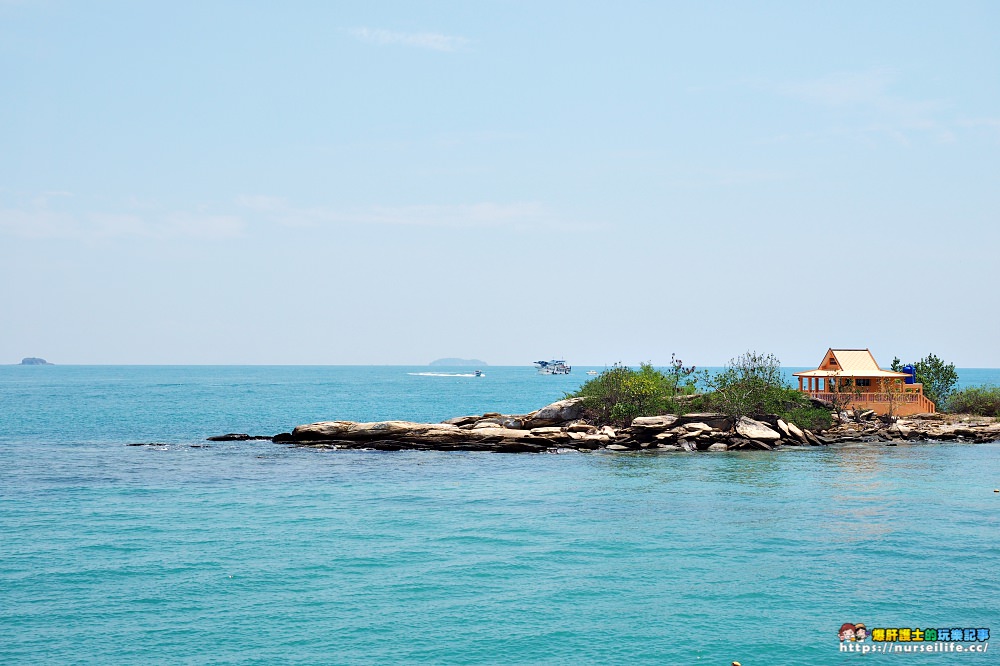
[445,374]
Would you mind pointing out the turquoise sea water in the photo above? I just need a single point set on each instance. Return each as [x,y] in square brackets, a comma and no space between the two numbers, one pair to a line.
[260,553]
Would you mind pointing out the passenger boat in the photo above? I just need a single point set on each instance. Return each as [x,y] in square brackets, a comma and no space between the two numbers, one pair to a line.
[553,367]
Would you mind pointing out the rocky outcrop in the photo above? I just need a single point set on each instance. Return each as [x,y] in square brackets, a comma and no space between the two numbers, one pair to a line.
[867,427]
[561,427]
[31,360]
[558,426]
[396,435]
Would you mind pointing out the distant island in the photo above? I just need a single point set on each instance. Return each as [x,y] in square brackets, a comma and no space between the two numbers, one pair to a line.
[458,361]
[31,360]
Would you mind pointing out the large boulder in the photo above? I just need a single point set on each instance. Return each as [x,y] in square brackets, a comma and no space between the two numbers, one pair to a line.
[322,430]
[462,420]
[713,419]
[497,434]
[752,429]
[654,422]
[795,431]
[558,412]
[379,430]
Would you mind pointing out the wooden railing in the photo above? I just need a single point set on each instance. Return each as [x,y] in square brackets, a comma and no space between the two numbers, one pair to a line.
[903,398]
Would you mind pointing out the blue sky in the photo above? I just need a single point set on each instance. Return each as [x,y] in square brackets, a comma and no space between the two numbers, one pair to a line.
[396,182]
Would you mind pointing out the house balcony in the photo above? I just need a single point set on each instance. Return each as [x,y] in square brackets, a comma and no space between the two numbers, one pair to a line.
[904,403]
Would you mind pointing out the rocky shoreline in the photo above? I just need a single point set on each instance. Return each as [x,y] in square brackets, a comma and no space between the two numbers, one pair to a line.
[561,426]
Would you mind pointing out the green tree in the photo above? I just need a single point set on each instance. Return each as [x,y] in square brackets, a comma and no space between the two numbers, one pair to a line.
[939,378]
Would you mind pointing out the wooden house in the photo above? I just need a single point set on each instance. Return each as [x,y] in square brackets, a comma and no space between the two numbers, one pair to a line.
[853,378]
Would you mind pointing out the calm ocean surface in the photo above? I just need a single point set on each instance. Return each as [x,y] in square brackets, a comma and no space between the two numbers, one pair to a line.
[259,553]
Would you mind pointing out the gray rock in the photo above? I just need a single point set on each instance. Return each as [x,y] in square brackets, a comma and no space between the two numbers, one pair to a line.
[739,443]
[556,435]
[654,422]
[752,429]
[797,432]
[713,419]
[229,437]
[718,446]
[581,427]
[898,430]
[497,434]
[698,427]
[556,413]
[462,420]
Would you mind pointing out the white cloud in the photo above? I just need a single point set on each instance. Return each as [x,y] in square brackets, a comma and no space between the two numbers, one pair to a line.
[41,223]
[424,40]
[37,221]
[869,106]
[841,89]
[38,224]
[483,215]
[989,124]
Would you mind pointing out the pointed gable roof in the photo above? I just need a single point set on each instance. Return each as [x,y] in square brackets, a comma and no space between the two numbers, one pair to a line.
[849,363]
[854,361]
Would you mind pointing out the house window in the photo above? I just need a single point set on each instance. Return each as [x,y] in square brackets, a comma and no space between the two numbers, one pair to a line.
[833,361]
[863,382]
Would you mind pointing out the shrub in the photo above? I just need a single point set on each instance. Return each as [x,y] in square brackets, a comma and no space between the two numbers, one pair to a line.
[620,394]
[805,415]
[681,377]
[750,384]
[978,400]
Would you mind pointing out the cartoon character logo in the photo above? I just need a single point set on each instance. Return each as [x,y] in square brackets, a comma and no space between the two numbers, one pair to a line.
[860,632]
[847,632]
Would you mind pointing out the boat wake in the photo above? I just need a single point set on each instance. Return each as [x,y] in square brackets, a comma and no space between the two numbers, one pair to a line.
[446,374]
